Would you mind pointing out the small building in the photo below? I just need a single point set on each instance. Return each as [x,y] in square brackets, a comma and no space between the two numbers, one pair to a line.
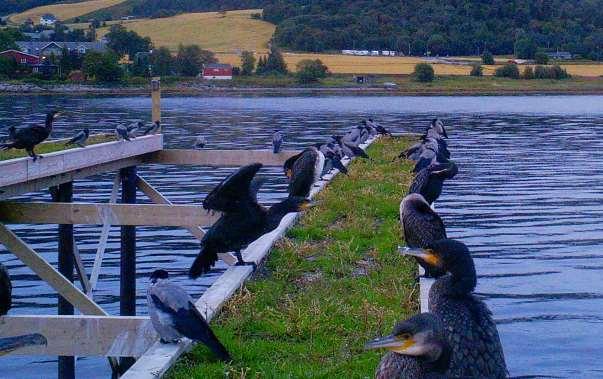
[48,19]
[21,57]
[217,71]
[47,49]
[45,69]
[39,36]
[560,55]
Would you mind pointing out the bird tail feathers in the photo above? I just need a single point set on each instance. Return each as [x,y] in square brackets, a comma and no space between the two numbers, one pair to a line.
[203,263]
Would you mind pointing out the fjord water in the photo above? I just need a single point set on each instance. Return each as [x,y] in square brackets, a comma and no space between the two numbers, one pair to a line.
[527,201]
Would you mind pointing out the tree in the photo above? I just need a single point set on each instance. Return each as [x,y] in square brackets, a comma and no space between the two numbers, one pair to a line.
[310,71]
[162,62]
[528,73]
[476,70]
[191,59]
[507,71]
[8,67]
[102,67]
[261,68]
[525,48]
[424,72]
[275,63]
[487,58]
[8,37]
[124,41]
[541,58]
[247,63]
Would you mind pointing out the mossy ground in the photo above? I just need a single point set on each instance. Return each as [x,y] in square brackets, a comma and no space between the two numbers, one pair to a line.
[332,284]
[51,147]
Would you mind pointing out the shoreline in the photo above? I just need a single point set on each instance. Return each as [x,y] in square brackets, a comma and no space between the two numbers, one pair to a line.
[209,91]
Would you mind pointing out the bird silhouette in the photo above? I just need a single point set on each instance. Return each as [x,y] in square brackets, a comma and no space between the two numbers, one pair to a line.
[29,137]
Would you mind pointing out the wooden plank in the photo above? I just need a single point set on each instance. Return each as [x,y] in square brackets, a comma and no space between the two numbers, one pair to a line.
[104,238]
[156,99]
[86,336]
[217,158]
[81,269]
[97,214]
[160,357]
[11,171]
[48,273]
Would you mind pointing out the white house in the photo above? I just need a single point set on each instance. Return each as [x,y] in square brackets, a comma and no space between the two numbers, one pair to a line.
[48,19]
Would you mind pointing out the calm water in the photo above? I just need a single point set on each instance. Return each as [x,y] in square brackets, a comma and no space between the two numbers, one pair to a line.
[527,202]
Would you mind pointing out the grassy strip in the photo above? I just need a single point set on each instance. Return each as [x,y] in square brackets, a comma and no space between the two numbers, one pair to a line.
[333,283]
[51,147]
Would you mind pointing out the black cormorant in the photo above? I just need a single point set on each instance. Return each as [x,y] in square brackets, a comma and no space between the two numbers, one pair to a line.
[422,226]
[243,219]
[277,141]
[80,138]
[430,180]
[27,138]
[10,344]
[6,291]
[470,329]
[418,349]
[151,129]
[174,315]
[303,170]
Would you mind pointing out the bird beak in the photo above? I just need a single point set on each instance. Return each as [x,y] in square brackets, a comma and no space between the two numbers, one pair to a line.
[426,255]
[289,173]
[392,343]
[307,205]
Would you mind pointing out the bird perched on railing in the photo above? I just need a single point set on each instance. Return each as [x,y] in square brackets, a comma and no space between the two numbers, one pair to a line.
[12,130]
[80,138]
[200,142]
[151,129]
[430,180]
[243,220]
[418,349]
[303,170]
[277,141]
[174,315]
[471,331]
[6,291]
[421,225]
[29,137]
[11,344]
[134,128]
[122,134]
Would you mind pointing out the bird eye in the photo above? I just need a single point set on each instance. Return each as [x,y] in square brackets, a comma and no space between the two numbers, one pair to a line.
[405,336]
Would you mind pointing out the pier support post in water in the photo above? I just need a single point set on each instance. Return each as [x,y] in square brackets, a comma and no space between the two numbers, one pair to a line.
[64,193]
[127,301]
[156,98]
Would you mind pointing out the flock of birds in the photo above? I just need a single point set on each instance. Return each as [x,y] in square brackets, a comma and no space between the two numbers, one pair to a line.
[457,338]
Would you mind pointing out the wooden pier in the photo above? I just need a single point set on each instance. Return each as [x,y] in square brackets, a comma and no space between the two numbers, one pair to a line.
[127,337]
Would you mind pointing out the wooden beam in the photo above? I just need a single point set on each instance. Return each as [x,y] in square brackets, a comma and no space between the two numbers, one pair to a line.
[96,214]
[217,158]
[48,273]
[156,99]
[81,269]
[86,336]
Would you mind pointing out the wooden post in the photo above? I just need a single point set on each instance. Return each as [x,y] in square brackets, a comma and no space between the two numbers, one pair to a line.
[127,301]
[156,97]
[64,193]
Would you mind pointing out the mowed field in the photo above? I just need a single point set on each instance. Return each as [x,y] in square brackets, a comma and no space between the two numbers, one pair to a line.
[63,11]
[230,32]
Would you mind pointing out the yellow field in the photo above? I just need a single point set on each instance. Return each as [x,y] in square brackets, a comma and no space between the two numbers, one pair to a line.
[63,11]
[222,33]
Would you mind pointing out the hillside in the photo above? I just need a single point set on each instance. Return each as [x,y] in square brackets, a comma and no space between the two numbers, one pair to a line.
[235,30]
[64,11]
[14,6]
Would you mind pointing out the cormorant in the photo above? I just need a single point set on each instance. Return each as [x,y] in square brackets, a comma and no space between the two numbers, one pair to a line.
[151,129]
[418,349]
[174,315]
[27,138]
[303,170]
[471,331]
[349,149]
[80,138]
[12,132]
[6,291]
[430,180]
[200,142]
[422,226]
[10,344]
[122,133]
[243,219]
[277,141]
[380,129]
[438,126]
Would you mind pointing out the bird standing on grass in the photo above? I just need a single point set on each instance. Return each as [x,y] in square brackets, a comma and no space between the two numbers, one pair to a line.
[303,170]
[418,350]
[243,220]
[277,141]
[422,226]
[470,329]
[122,134]
[350,149]
[10,344]
[174,315]
[80,138]
[27,138]
[151,129]
[6,291]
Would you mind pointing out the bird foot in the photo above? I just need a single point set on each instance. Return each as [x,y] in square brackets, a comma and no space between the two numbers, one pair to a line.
[243,263]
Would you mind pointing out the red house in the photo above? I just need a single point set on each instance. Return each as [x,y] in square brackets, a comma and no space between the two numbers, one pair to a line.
[217,71]
[21,57]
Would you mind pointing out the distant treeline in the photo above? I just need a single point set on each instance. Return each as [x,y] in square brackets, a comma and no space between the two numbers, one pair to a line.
[12,6]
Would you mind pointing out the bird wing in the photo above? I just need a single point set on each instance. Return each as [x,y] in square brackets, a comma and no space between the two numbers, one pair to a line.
[233,190]
[6,290]
[419,182]
[422,226]
[208,252]
[79,136]
[169,297]
[394,365]
[303,174]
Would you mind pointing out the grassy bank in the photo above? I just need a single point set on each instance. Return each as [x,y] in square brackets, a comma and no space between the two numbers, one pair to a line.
[51,147]
[333,283]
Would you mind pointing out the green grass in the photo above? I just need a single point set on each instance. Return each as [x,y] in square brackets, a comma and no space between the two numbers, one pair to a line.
[51,147]
[335,282]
